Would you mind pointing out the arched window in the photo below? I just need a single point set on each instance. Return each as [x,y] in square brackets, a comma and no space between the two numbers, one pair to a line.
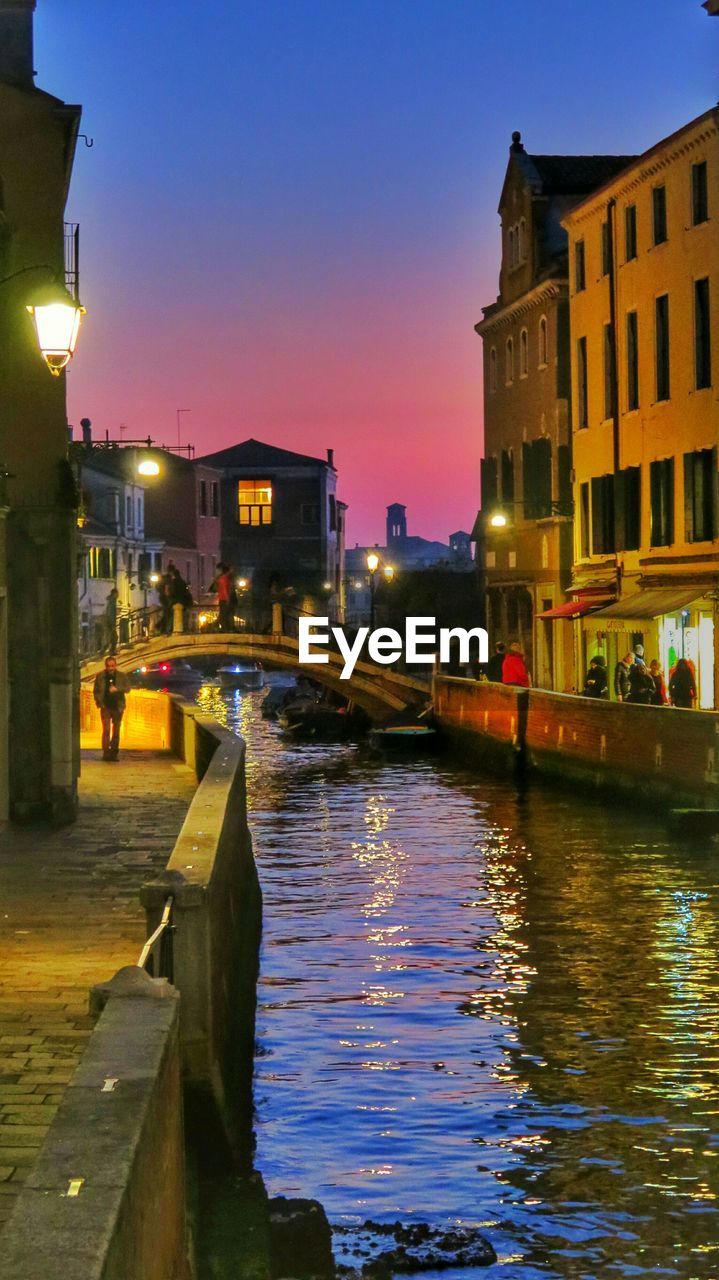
[542,341]
[509,362]
[510,243]
[521,241]
[523,353]
[493,370]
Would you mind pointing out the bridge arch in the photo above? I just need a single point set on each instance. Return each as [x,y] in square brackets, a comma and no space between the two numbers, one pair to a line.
[381,691]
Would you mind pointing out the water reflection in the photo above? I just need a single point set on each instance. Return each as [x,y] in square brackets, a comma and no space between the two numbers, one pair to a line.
[486,1008]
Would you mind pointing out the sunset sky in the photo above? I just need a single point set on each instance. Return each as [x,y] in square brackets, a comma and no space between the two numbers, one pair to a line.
[288,217]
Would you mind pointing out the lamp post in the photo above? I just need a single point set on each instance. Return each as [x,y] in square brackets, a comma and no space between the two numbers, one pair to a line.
[373,566]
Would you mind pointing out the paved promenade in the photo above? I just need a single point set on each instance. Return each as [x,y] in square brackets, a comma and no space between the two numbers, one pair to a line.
[70,916]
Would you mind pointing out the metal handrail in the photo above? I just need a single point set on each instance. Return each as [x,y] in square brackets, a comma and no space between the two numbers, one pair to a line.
[162,935]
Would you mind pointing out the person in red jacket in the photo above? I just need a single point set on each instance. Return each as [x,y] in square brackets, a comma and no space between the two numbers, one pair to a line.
[514,668]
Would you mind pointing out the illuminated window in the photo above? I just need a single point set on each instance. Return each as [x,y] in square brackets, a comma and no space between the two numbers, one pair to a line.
[542,342]
[255,502]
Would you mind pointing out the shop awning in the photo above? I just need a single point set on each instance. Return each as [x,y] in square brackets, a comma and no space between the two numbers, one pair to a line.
[651,603]
[572,608]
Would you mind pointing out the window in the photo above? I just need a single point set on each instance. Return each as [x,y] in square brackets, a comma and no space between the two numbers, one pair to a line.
[630,232]
[543,345]
[139,514]
[333,513]
[493,370]
[584,525]
[661,498]
[128,511]
[203,497]
[537,478]
[580,272]
[523,353]
[609,397]
[659,214]
[488,470]
[582,405]
[310,513]
[632,361]
[700,195]
[602,515]
[254,502]
[101,562]
[215,498]
[510,242]
[661,346]
[627,509]
[521,241]
[606,249]
[700,497]
[507,476]
[702,336]
[509,362]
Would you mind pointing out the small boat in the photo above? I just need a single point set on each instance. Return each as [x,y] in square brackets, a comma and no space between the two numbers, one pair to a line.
[166,675]
[321,718]
[404,734]
[242,675]
[275,699]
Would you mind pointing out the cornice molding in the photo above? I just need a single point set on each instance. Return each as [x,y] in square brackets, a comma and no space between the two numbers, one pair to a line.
[546,291]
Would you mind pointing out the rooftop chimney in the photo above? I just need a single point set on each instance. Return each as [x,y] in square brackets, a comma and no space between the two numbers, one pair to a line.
[16,49]
[86,426]
[330,457]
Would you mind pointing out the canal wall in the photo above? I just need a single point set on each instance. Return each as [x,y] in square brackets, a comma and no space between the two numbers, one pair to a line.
[659,755]
[106,1199]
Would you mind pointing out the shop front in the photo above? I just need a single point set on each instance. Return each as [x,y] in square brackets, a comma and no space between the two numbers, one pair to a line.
[670,622]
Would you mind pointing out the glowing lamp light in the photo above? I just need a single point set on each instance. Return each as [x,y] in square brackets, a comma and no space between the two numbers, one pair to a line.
[388,572]
[242,583]
[372,561]
[57,325]
[154,579]
[327,586]
[164,666]
[148,467]
[358,586]
[202,619]
[498,520]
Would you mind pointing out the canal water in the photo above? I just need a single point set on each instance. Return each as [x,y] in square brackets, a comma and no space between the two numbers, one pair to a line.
[482,1007]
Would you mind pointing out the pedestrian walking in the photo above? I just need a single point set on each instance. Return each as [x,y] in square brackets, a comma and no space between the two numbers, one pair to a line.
[682,685]
[621,677]
[660,698]
[109,692]
[641,684]
[514,668]
[110,622]
[165,589]
[595,684]
[493,670]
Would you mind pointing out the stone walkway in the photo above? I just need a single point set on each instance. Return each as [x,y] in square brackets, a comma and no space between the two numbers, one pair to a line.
[70,916]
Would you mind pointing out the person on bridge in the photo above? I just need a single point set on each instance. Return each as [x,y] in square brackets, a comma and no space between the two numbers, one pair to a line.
[224,585]
[514,668]
[595,685]
[109,692]
[682,685]
[493,669]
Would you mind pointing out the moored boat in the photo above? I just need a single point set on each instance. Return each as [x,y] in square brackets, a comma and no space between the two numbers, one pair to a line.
[241,675]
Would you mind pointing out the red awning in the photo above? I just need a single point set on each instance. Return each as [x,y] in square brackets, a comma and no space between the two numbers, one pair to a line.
[575,608]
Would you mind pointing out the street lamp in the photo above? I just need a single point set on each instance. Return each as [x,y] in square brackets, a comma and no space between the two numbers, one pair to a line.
[500,518]
[57,317]
[148,466]
[373,566]
[388,572]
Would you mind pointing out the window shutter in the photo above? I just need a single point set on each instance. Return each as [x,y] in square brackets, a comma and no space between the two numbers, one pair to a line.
[633,509]
[714,494]
[689,497]
[528,483]
[620,511]
[656,532]
[597,515]
[543,469]
[564,479]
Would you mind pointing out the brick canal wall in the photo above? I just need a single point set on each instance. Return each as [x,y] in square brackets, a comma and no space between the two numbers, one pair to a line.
[657,754]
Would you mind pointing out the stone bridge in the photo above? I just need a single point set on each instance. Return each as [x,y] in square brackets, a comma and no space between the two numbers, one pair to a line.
[381,691]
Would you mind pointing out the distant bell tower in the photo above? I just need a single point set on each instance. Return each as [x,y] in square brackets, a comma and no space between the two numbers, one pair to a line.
[396,524]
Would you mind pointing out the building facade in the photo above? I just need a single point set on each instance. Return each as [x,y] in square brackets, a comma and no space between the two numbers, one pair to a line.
[38,502]
[281,529]
[524,531]
[182,511]
[644,257]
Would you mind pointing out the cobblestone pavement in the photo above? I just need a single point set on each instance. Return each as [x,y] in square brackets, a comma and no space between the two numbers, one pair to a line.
[70,916]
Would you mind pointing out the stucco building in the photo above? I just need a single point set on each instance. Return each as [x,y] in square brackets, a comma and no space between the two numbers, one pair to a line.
[524,530]
[644,255]
[38,597]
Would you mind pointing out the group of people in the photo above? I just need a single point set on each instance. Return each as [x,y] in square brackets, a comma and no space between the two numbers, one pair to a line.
[507,666]
[636,682]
